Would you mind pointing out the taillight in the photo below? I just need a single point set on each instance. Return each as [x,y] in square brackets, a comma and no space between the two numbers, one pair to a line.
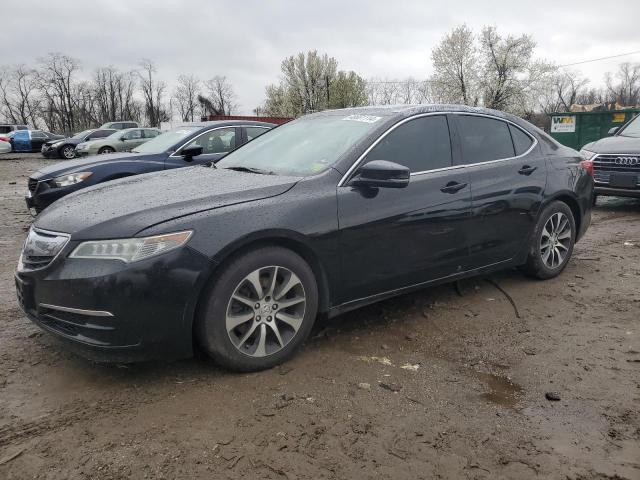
[588,166]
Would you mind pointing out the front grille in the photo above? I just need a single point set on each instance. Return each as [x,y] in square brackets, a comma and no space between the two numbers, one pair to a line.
[32,184]
[617,163]
[41,248]
[625,167]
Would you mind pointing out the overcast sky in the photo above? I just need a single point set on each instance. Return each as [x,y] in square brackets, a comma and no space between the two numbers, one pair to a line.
[246,40]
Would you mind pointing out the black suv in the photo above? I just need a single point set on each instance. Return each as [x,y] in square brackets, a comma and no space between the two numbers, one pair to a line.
[616,161]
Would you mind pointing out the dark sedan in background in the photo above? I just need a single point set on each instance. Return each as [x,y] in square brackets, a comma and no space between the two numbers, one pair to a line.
[31,140]
[324,214]
[66,147]
[616,161]
[196,143]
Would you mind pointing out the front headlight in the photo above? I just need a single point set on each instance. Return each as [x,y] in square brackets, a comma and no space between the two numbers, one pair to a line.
[587,154]
[71,179]
[131,249]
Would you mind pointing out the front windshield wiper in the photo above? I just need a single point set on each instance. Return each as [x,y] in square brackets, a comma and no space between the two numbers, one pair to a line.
[251,170]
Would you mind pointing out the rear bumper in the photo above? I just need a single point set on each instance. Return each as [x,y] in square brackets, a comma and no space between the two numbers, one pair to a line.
[109,311]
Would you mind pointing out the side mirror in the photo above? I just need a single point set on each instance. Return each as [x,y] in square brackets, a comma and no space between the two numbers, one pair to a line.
[122,138]
[191,151]
[381,174]
[612,131]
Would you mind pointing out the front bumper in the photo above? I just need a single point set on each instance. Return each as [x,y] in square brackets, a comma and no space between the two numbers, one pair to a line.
[44,195]
[617,192]
[110,311]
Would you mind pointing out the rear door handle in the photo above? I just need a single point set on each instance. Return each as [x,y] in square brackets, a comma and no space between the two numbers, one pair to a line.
[453,187]
[527,170]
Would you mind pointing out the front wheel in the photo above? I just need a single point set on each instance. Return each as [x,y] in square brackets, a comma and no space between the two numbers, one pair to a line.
[104,150]
[260,309]
[68,152]
[552,242]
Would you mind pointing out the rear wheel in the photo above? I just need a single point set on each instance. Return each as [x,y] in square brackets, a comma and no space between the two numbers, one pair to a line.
[259,311]
[68,152]
[104,150]
[552,242]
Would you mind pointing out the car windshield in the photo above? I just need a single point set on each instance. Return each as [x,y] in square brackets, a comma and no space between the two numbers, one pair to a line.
[166,140]
[82,134]
[632,129]
[306,146]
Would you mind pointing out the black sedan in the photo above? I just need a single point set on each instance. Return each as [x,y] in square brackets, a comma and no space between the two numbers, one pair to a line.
[66,147]
[197,143]
[322,215]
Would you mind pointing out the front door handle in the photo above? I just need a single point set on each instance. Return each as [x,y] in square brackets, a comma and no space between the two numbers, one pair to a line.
[453,187]
[527,170]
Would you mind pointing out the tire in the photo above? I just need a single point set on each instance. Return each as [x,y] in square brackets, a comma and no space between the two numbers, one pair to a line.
[104,150]
[539,264]
[258,332]
[67,152]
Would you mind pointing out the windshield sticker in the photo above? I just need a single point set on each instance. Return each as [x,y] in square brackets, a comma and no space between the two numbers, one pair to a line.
[362,118]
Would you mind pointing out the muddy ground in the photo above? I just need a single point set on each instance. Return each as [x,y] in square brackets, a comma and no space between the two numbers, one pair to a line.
[471,375]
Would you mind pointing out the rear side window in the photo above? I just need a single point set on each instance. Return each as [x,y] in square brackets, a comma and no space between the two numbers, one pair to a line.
[483,139]
[129,125]
[253,132]
[421,144]
[37,134]
[521,141]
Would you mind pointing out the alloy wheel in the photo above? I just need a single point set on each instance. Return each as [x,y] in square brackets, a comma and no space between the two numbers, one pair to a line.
[68,153]
[555,240]
[265,311]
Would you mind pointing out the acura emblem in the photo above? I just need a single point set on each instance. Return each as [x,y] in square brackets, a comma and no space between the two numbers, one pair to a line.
[627,161]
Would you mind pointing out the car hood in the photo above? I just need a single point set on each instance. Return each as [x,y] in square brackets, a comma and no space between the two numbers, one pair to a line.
[72,141]
[617,144]
[82,164]
[122,208]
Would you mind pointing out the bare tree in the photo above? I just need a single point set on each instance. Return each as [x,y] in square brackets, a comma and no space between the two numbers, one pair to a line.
[455,64]
[20,99]
[57,81]
[511,77]
[623,88]
[153,93]
[114,95]
[186,96]
[221,99]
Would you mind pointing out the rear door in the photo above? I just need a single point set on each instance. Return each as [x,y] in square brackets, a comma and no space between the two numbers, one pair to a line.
[215,143]
[393,238]
[508,177]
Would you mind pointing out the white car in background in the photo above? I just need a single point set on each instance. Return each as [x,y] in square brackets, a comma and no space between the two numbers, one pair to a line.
[5,147]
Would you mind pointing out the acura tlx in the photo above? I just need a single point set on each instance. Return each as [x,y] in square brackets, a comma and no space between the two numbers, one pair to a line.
[324,214]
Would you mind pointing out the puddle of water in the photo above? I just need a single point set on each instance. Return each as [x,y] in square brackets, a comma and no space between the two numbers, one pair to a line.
[502,391]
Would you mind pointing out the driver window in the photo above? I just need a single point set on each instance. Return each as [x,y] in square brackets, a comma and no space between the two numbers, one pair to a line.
[420,144]
[222,140]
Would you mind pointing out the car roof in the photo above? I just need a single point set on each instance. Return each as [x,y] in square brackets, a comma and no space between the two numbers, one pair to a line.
[402,111]
[224,123]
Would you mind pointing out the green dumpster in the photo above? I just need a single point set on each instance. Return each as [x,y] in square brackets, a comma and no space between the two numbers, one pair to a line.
[575,129]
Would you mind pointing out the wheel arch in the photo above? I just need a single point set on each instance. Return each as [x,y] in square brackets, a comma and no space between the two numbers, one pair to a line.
[293,241]
[572,202]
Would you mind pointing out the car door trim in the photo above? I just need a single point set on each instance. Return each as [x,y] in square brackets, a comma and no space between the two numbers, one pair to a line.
[173,155]
[344,180]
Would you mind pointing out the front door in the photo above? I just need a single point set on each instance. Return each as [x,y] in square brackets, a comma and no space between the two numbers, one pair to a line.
[508,177]
[215,143]
[393,238]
